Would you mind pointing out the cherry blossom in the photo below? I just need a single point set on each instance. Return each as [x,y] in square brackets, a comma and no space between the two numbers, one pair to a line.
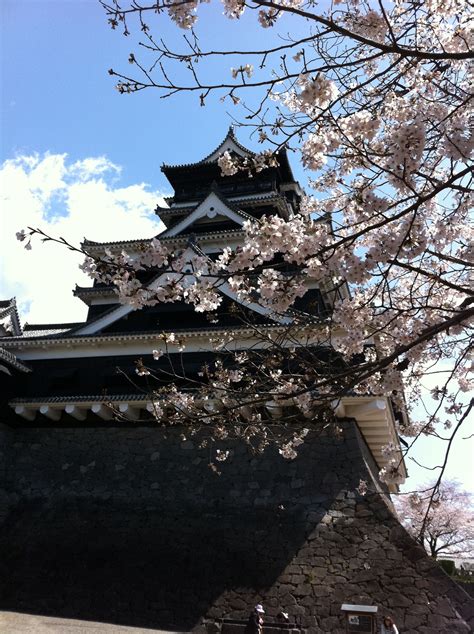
[441,518]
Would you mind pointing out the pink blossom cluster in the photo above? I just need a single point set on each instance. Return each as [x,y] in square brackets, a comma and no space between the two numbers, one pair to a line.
[315,92]
[441,517]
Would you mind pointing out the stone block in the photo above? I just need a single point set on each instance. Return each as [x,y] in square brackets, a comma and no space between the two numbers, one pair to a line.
[318,572]
[398,600]
[444,608]
[302,590]
[412,621]
[330,623]
[288,600]
[296,579]
[377,553]
[321,591]
[437,621]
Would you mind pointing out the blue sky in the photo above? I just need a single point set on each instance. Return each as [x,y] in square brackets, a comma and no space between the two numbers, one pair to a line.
[58,97]
[79,159]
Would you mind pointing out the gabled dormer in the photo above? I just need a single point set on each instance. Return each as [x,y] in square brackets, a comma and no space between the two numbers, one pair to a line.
[214,213]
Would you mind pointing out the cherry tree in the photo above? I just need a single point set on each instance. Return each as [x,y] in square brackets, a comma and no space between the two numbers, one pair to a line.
[444,525]
[374,98]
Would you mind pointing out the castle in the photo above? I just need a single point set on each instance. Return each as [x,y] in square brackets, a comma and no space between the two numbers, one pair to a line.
[108,515]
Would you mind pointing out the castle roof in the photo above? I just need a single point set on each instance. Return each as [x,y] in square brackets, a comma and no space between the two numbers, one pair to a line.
[236,200]
[48,330]
[181,240]
[214,206]
[9,318]
[176,174]
[8,360]
[229,143]
[228,209]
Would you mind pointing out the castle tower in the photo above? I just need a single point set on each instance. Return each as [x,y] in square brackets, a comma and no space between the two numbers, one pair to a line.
[116,517]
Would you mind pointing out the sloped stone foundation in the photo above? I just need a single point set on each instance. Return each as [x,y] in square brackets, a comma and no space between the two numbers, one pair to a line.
[130,526]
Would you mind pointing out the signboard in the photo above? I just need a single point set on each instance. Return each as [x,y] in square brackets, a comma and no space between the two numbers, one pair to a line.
[360,623]
[360,618]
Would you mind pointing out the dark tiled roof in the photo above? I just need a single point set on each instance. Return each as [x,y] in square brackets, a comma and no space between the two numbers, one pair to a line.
[238,200]
[209,234]
[64,326]
[10,359]
[34,331]
[230,134]
[101,398]
[241,199]
[167,211]
[92,243]
[8,309]
[128,335]
[94,290]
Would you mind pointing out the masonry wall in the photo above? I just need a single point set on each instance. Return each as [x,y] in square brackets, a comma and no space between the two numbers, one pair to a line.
[6,498]
[132,526]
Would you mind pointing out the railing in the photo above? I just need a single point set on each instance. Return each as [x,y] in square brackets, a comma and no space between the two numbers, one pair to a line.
[237,626]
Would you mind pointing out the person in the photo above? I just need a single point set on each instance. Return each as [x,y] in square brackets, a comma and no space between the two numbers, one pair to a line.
[255,622]
[388,626]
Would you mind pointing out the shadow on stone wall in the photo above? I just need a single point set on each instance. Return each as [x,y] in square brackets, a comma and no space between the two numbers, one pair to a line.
[143,567]
[130,526]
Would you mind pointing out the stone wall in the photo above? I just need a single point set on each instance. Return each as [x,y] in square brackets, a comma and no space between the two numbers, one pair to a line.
[6,497]
[131,526]
[153,463]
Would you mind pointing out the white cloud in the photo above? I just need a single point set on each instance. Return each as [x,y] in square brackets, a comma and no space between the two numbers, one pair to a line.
[46,177]
[93,167]
[66,199]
